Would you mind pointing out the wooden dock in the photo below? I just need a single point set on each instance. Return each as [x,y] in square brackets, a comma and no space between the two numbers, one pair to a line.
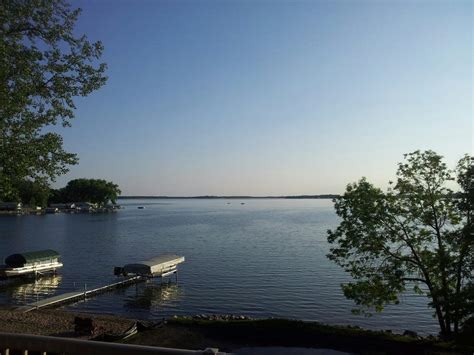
[161,266]
[72,297]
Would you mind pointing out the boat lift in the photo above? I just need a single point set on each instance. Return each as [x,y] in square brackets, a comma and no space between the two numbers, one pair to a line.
[33,263]
[160,266]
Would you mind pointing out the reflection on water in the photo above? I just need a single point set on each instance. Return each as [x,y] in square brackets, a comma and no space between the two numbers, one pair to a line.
[25,290]
[153,295]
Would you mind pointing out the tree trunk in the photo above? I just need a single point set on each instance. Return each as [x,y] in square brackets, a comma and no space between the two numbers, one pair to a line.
[439,315]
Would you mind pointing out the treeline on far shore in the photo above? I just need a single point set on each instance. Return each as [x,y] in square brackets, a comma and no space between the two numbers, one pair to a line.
[78,195]
[327,196]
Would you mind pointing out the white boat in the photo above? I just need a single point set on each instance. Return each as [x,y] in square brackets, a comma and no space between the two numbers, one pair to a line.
[34,262]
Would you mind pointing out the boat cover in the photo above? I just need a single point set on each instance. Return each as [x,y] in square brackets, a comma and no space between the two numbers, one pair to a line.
[19,260]
[154,266]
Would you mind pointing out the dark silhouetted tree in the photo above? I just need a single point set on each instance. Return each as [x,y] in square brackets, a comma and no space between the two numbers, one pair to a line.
[43,67]
[90,190]
[416,235]
[33,193]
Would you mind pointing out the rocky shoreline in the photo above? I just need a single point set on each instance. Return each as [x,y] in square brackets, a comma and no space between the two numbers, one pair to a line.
[57,323]
[227,332]
[220,317]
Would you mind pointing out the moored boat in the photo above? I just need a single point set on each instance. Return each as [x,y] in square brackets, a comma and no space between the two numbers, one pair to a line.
[160,266]
[33,262]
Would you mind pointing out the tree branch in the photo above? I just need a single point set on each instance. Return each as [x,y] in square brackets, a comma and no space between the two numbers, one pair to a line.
[416,279]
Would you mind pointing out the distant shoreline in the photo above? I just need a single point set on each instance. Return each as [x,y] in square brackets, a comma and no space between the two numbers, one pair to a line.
[328,196]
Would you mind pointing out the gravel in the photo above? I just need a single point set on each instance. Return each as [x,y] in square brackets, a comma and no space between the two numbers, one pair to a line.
[58,323]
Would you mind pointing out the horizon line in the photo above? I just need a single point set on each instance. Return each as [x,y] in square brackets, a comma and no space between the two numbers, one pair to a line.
[321,196]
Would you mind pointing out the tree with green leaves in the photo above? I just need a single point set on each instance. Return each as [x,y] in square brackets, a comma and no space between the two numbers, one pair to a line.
[418,234]
[88,190]
[43,67]
[33,193]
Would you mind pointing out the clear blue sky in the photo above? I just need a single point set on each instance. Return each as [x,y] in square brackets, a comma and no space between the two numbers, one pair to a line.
[271,97]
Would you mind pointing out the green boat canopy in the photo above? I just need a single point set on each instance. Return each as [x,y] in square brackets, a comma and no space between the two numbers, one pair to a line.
[19,260]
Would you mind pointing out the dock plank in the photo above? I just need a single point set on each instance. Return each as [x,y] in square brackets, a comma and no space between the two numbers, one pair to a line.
[71,297]
[51,301]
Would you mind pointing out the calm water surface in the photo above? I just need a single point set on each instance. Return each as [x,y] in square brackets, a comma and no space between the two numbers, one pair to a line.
[265,258]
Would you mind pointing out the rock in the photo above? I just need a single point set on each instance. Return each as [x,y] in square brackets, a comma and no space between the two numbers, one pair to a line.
[84,326]
[410,333]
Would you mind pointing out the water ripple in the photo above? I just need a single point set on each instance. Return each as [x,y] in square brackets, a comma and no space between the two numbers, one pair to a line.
[266,258]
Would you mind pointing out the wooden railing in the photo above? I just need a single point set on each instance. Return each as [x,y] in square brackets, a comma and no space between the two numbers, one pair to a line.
[23,344]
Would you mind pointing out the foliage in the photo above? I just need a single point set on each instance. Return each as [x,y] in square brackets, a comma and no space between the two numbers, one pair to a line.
[87,190]
[33,193]
[56,196]
[287,332]
[43,66]
[418,234]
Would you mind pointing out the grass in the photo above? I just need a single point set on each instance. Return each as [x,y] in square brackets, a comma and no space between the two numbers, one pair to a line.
[229,335]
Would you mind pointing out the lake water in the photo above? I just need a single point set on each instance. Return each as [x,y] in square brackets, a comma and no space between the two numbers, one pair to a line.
[263,258]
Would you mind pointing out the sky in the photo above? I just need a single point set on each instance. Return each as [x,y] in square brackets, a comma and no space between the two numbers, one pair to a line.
[271,97]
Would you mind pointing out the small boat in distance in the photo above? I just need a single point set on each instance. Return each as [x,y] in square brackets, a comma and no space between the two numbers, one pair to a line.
[33,262]
[141,207]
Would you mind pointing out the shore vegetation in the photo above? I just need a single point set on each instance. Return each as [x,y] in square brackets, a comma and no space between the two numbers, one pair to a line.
[417,235]
[96,191]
